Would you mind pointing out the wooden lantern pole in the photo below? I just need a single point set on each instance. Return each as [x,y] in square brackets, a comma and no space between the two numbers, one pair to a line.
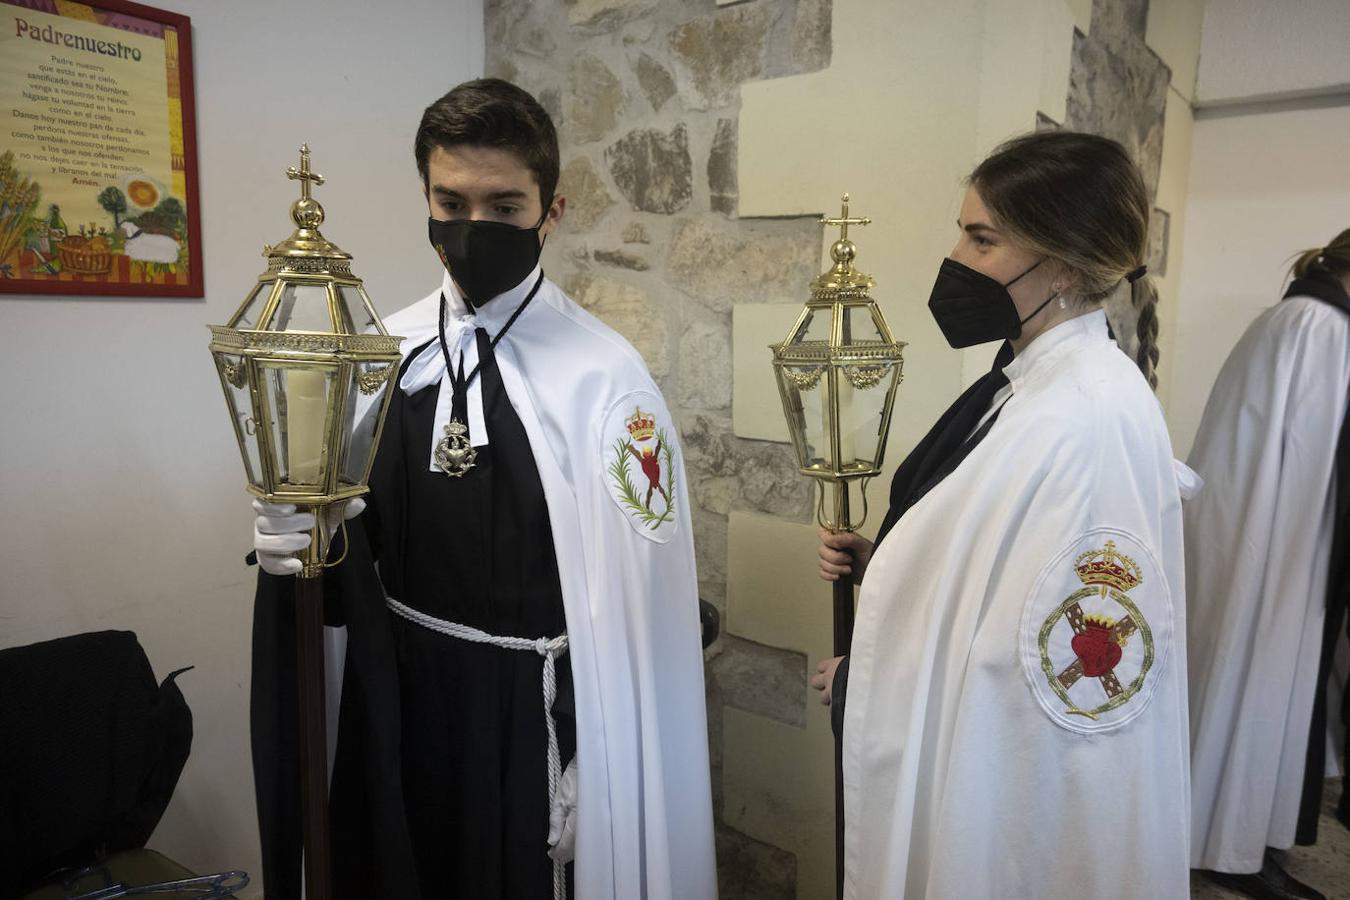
[313,737]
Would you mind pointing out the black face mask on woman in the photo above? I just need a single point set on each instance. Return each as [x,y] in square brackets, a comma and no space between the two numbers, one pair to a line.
[972,308]
[485,258]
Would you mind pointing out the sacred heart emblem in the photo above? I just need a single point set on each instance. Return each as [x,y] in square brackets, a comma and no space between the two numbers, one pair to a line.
[1096,649]
[454,452]
[1095,646]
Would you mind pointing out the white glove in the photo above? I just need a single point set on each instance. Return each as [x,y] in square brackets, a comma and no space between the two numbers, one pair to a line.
[562,821]
[279,532]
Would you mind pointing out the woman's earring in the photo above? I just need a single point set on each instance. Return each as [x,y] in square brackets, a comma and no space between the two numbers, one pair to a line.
[1059,289]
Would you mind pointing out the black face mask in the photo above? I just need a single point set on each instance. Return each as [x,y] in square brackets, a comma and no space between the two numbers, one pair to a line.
[485,258]
[972,308]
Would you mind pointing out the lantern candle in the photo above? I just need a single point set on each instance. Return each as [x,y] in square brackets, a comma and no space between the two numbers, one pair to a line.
[306,411]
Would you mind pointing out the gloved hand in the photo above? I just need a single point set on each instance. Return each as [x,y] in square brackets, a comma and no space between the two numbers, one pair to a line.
[279,532]
[562,821]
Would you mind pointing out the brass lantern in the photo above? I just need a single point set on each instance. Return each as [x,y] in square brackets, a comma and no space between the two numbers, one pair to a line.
[837,371]
[306,366]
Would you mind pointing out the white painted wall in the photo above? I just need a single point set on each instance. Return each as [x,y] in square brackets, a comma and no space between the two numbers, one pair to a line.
[1262,186]
[1263,49]
[120,487]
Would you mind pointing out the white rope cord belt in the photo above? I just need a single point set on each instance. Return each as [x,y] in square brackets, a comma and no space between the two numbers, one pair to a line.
[550,649]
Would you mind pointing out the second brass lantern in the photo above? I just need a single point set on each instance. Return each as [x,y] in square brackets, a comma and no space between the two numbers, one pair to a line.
[837,372]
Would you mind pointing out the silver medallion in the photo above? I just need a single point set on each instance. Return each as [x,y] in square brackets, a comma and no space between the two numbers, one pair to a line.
[454,453]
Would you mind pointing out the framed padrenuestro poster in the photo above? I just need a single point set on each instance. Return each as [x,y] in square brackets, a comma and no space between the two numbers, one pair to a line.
[98,150]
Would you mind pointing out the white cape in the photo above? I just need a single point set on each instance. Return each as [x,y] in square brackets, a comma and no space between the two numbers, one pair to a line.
[982,756]
[1258,540]
[630,592]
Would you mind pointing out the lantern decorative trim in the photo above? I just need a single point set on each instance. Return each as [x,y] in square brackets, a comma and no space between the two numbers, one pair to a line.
[831,369]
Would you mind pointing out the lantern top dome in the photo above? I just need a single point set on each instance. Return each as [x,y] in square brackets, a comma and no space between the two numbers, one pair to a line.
[842,276]
[306,243]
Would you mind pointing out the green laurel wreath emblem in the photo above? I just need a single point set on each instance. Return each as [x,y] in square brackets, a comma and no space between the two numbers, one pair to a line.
[628,491]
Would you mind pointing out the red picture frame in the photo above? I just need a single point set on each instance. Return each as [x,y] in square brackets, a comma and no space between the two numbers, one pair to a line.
[80,86]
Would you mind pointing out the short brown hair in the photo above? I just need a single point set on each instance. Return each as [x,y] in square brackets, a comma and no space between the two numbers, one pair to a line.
[490,112]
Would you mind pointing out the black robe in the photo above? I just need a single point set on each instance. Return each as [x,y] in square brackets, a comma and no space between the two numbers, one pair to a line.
[439,786]
[1329,290]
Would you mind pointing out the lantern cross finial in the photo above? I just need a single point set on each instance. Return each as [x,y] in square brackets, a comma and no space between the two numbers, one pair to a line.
[844,221]
[303,174]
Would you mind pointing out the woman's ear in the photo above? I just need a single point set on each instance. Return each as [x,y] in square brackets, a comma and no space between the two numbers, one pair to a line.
[1064,280]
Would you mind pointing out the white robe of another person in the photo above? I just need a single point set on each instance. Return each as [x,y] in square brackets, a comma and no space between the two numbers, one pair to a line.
[976,763]
[1258,541]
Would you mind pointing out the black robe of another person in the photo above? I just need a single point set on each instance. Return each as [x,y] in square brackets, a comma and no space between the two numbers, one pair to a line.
[439,788]
[1329,290]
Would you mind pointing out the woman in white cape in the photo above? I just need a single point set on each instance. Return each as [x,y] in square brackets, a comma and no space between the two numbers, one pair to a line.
[1015,715]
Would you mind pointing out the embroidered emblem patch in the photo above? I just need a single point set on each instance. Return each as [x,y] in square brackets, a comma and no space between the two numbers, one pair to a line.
[1093,650]
[640,465]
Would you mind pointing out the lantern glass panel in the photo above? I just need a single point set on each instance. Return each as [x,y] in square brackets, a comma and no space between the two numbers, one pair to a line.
[804,387]
[356,309]
[815,417]
[859,326]
[302,307]
[300,399]
[234,375]
[251,312]
[863,389]
[361,417]
[815,328]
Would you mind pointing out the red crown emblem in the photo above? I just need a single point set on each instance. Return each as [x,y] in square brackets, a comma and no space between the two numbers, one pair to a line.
[1106,566]
[641,425]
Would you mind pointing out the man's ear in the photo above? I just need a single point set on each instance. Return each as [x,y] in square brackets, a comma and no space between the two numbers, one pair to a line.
[556,209]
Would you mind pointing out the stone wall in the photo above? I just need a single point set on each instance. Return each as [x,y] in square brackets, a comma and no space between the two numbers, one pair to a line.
[646,96]
[1118,88]
[651,101]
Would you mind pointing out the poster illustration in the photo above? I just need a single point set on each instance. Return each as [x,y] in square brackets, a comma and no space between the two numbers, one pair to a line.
[98,175]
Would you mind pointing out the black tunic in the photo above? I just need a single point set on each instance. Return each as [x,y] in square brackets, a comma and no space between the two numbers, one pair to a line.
[440,783]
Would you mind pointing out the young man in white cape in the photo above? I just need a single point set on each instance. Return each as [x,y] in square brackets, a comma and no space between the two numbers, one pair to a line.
[1014,721]
[524,680]
[1268,563]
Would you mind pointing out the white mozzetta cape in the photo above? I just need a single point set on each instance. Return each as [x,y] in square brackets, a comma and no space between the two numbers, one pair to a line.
[999,740]
[1258,541]
[630,592]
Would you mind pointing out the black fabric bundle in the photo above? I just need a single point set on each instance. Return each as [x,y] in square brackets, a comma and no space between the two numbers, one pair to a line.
[91,747]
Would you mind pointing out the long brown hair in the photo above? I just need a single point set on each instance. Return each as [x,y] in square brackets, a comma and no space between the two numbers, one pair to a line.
[1333,259]
[1080,200]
